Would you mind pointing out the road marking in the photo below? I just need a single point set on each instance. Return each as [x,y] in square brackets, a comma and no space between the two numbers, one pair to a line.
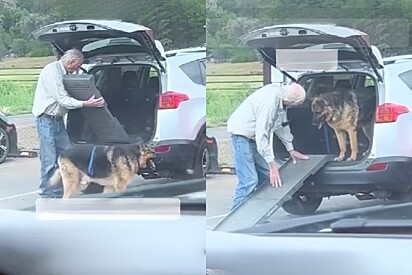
[19,195]
[217,216]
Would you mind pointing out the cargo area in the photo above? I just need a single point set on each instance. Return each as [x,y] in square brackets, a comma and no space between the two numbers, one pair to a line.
[311,140]
[131,93]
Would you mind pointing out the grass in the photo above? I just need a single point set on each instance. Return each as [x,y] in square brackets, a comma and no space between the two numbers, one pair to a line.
[16,97]
[18,82]
[224,97]
[26,62]
[220,105]
[234,68]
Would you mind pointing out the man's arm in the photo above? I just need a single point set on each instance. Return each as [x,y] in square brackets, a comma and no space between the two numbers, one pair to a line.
[56,88]
[264,124]
[285,135]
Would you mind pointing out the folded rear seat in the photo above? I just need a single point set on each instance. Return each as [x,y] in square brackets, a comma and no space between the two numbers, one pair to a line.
[104,125]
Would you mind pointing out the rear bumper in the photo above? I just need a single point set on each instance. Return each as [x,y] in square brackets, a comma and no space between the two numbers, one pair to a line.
[175,155]
[396,176]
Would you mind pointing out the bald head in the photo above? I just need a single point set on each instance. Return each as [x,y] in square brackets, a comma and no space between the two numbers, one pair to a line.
[293,94]
[72,60]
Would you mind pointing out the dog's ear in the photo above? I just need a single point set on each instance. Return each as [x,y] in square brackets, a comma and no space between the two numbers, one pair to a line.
[139,141]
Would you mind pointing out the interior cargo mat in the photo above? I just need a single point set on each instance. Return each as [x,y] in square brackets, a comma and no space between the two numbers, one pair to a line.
[103,124]
[262,203]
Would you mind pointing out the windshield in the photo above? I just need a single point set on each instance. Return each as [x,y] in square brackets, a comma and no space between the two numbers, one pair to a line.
[336,169]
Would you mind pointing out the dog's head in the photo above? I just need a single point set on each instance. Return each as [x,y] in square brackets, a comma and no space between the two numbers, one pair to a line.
[322,111]
[146,156]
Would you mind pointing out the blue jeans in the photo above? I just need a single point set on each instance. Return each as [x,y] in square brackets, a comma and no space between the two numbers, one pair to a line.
[251,168]
[53,141]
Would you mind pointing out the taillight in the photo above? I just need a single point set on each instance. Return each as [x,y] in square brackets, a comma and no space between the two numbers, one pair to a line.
[389,112]
[171,100]
[162,149]
[377,167]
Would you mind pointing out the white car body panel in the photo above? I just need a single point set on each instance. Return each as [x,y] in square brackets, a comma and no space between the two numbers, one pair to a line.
[185,122]
[394,139]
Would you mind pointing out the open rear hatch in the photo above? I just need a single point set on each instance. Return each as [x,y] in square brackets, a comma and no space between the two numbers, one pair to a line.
[351,45]
[100,37]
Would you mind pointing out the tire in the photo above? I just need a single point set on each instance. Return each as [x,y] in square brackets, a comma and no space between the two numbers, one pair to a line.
[4,141]
[201,161]
[302,205]
[200,164]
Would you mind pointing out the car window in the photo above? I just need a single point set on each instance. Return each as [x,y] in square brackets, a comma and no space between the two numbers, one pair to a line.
[192,70]
[406,77]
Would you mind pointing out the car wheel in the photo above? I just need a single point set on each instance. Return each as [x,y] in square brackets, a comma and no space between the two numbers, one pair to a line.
[200,166]
[302,205]
[4,145]
[202,161]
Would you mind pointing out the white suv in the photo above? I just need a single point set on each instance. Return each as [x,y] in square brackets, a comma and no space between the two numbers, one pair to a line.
[181,150]
[383,169]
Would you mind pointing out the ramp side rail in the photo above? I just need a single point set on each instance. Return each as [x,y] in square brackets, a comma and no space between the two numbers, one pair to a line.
[263,202]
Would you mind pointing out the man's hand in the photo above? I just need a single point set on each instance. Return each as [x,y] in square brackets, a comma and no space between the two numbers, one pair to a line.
[94,102]
[295,155]
[274,175]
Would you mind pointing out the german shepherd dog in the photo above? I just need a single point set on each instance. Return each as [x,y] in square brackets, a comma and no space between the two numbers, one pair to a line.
[110,166]
[345,112]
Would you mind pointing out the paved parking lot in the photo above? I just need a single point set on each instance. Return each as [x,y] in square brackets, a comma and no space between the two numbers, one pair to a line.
[19,181]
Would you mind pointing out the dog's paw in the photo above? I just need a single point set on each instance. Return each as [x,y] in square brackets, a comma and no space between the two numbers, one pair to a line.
[338,159]
[350,159]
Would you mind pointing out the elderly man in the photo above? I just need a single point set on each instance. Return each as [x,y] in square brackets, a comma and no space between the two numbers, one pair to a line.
[251,126]
[51,103]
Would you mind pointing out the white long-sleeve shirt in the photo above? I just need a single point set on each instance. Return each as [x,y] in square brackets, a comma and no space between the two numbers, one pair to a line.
[50,97]
[259,116]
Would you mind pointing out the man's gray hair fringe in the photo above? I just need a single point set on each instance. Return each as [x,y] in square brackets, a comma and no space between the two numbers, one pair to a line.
[72,54]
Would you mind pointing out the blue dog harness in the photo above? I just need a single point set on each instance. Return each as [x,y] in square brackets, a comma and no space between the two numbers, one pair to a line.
[90,169]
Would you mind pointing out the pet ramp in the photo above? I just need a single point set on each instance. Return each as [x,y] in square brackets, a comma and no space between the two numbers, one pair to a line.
[263,202]
[104,125]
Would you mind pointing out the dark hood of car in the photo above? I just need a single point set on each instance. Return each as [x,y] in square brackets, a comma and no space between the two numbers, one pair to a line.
[388,215]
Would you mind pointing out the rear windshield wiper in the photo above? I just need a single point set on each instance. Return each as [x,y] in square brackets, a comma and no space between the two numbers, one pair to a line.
[157,55]
[272,62]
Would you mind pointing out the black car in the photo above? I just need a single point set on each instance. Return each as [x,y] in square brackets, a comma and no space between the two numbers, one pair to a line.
[8,138]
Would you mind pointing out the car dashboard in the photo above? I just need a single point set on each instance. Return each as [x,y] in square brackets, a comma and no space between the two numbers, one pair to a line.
[66,247]
[304,254]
